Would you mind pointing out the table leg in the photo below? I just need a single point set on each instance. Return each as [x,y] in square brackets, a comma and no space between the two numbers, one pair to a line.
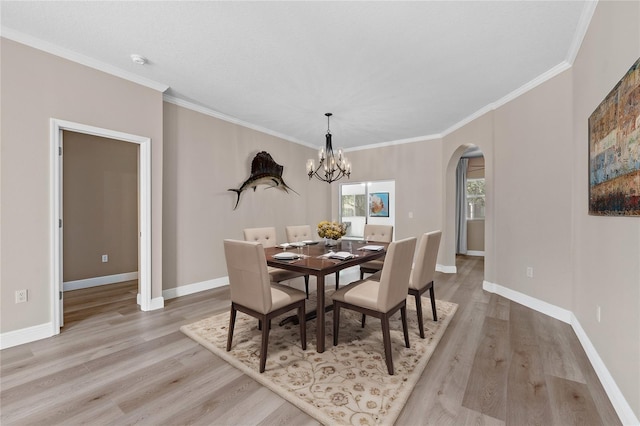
[320,313]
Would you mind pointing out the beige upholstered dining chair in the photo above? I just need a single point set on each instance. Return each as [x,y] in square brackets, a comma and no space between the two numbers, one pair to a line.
[253,293]
[298,233]
[383,298]
[422,274]
[267,237]
[373,233]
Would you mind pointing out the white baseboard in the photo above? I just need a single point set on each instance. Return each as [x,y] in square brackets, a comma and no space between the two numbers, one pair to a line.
[195,287]
[624,411]
[156,303]
[530,302]
[25,335]
[620,404]
[475,253]
[446,269]
[97,281]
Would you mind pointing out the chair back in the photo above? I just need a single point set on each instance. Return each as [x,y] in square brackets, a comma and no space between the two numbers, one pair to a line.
[298,233]
[394,279]
[249,279]
[381,233]
[426,258]
[266,236]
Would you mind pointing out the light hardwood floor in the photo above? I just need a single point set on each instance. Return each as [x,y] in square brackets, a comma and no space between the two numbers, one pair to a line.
[498,363]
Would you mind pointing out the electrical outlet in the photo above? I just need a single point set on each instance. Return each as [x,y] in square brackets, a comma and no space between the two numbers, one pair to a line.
[529,272]
[105,258]
[598,313]
[21,296]
[410,215]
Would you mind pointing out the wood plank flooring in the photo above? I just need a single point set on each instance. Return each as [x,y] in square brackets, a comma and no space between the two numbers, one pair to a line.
[498,363]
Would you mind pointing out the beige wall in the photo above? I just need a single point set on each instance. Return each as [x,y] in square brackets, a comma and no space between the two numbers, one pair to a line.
[204,157]
[100,206]
[606,264]
[417,172]
[35,87]
[532,189]
[475,235]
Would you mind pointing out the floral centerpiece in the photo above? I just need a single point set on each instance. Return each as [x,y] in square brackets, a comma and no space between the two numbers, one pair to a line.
[331,230]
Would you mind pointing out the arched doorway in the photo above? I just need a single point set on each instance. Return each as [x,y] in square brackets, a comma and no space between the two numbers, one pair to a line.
[449,205]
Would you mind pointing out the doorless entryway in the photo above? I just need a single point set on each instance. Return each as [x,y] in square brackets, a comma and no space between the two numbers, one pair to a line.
[144,212]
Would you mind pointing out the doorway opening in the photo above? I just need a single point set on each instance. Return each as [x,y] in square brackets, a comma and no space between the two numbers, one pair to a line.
[100,224]
[450,246]
[58,127]
[470,203]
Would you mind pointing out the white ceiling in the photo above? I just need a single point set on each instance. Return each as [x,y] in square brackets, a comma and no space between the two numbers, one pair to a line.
[388,71]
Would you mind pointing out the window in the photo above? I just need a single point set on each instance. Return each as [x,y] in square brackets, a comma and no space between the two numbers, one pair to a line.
[354,205]
[475,198]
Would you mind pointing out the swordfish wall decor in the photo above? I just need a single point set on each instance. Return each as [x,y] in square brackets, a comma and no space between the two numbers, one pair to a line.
[264,171]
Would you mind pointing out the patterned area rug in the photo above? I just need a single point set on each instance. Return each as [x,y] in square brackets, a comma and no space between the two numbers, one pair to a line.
[347,384]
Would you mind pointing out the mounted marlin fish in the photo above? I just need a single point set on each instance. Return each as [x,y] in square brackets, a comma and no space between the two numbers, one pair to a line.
[264,171]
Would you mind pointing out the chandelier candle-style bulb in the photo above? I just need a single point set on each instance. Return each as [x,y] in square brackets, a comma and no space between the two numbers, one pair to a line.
[333,168]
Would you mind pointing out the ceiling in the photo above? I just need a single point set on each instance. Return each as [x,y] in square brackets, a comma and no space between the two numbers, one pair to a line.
[388,71]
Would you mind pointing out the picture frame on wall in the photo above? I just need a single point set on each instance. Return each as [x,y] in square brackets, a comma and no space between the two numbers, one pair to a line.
[379,204]
[614,150]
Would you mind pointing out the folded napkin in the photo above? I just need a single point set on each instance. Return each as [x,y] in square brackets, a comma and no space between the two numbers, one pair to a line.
[342,255]
[286,255]
[372,248]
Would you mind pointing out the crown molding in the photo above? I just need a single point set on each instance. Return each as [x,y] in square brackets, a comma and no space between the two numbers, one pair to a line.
[542,78]
[546,76]
[588,10]
[396,142]
[212,113]
[479,113]
[47,47]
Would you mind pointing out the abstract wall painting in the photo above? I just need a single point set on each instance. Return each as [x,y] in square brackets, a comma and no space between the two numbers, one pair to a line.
[379,204]
[614,150]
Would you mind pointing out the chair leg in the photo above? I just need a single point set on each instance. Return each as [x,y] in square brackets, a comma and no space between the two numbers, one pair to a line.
[303,325]
[419,311]
[433,302]
[232,323]
[260,324]
[336,323]
[337,279]
[386,337]
[265,345]
[405,328]
[364,317]
[306,285]
[361,274]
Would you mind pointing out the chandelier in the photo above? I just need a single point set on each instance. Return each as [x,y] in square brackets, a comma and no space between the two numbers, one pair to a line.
[330,168]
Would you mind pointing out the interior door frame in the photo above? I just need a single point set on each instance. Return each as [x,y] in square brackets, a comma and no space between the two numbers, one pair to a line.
[144,211]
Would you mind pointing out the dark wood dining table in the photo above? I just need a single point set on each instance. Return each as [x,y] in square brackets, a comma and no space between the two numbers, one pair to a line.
[313,262]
